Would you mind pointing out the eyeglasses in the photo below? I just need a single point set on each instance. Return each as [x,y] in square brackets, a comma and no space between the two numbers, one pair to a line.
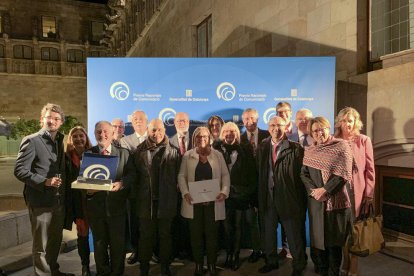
[316,131]
[182,121]
[202,136]
[54,119]
[276,125]
[115,126]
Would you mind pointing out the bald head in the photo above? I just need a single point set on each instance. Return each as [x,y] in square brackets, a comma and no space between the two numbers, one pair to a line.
[156,131]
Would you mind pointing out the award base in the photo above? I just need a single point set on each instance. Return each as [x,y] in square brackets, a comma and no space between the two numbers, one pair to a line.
[92,184]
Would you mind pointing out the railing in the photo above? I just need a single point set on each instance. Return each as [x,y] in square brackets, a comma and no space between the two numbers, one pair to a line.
[23,66]
[50,68]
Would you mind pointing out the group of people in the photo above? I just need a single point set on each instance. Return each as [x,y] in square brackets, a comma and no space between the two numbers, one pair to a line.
[265,178]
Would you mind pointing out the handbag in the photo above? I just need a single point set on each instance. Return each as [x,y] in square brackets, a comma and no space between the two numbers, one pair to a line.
[366,236]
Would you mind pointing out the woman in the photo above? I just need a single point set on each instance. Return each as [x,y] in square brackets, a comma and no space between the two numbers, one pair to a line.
[78,142]
[347,126]
[240,163]
[215,123]
[326,173]
[203,163]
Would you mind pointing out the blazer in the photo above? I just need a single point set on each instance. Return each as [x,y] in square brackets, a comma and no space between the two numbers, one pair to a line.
[262,134]
[174,141]
[38,160]
[187,174]
[106,203]
[130,142]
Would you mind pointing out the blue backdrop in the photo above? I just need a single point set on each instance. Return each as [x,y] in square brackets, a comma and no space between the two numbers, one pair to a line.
[207,86]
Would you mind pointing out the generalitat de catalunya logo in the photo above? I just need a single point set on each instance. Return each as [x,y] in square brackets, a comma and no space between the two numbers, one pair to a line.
[226,91]
[269,114]
[167,115]
[98,171]
[119,90]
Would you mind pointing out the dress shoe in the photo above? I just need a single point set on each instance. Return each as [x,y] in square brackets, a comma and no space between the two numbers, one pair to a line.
[255,256]
[133,258]
[62,274]
[199,270]
[268,267]
[86,271]
[212,270]
[236,262]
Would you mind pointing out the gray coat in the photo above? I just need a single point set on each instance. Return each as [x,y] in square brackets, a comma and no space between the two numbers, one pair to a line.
[327,228]
[39,159]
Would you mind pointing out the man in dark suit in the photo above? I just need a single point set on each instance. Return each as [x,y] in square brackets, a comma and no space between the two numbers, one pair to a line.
[181,233]
[155,165]
[40,165]
[252,137]
[107,210]
[131,142]
[282,196]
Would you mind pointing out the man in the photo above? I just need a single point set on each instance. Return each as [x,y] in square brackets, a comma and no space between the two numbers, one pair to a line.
[106,211]
[139,123]
[302,136]
[253,136]
[40,165]
[156,164]
[131,142]
[284,110]
[119,129]
[182,139]
[282,196]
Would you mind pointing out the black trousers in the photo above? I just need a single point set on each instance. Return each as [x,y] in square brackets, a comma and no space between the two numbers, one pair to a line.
[132,230]
[294,227]
[232,227]
[329,260]
[253,223]
[150,230]
[109,234]
[180,232]
[203,225]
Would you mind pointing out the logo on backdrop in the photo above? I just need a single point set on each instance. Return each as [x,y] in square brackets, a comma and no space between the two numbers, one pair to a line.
[269,114]
[226,91]
[119,90]
[167,115]
[97,171]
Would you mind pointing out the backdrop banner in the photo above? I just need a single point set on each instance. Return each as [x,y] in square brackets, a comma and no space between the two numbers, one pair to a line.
[207,86]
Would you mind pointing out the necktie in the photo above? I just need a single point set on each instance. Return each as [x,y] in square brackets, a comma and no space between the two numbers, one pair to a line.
[105,152]
[274,154]
[305,140]
[182,145]
[252,141]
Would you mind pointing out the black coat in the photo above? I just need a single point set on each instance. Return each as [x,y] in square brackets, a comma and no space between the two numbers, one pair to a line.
[141,182]
[289,194]
[331,228]
[106,203]
[243,177]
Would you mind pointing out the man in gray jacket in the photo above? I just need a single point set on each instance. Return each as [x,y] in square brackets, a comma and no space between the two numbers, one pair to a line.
[40,166]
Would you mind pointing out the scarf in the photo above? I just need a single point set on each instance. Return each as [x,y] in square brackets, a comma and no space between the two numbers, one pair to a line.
[228,149]
[332,158]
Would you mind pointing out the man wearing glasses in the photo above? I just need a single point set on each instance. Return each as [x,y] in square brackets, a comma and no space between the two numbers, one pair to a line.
[119,129]
[40,166]
[282,196]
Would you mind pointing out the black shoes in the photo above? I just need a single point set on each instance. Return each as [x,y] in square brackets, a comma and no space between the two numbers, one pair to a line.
[268,267]
[199,270]
[297,272]
[165,270]
[144,268]
[133,258]
[62,274]
[255,256]
[229,260]
[236,262]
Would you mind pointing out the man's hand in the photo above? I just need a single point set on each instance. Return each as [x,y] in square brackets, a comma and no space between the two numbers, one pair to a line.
[116,186]
[188,198]
[53,182]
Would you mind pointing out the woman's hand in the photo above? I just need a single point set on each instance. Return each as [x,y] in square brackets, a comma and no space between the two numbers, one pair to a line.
[220,197]
[319,194]
[188,198]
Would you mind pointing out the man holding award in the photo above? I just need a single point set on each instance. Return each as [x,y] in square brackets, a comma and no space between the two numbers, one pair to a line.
[106,210]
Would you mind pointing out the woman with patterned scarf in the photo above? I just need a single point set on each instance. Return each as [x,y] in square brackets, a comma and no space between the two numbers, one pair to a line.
[78,142]
[326,173]
[243,182]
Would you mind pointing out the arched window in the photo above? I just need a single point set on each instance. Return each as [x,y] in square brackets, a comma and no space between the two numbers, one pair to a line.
[75,55]
[49,53]
[23,52]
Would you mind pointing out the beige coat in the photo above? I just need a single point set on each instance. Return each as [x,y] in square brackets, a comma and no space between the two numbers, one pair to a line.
[187,171]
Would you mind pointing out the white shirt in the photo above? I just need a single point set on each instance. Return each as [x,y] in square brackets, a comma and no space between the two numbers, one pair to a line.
[108,149]
[141,138]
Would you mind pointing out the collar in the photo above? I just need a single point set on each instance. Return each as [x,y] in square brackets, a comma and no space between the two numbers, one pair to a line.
[108,149]
[145,135]
[255,132]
